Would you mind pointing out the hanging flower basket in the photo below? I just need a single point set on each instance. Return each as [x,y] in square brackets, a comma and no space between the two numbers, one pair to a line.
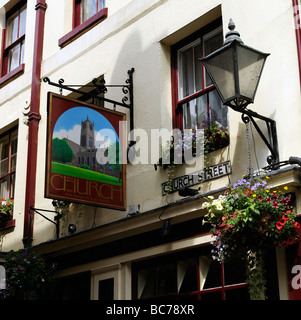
[250,218]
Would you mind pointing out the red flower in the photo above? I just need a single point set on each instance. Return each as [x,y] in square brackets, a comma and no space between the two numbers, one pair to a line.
[284,244]
[275,204]
[290,240]
[269,200]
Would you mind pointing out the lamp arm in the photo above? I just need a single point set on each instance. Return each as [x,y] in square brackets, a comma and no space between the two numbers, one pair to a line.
[272,143]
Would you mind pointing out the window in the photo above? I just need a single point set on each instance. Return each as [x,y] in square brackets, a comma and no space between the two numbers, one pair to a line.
[85,9]
[194,97]
[190,275]
[8,161]
[87,14]
[14,39]
[105,284]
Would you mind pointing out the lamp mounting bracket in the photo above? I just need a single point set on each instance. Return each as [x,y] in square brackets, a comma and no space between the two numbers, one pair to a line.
[271,141]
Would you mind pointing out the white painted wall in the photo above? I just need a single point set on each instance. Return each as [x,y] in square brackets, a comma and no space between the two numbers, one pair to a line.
[139,34]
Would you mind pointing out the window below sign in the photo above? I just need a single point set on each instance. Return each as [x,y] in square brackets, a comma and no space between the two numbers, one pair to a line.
[191,275]
[194,275]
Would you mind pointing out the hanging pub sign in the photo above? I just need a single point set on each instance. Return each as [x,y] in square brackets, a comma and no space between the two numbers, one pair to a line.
[85,153]
[192,179]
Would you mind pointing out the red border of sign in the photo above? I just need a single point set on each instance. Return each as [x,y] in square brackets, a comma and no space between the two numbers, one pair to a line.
[80,190]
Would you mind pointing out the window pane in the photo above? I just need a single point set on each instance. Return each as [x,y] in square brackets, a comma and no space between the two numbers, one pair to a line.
[88,9]
[194,112]
[213,278]
[166,278]
[218,112]
[22,52]
[189,114]
[198,68]
[212,43]
[187,78]
[22,22]
[4,188]
[4,148]
[14,58]
[101,4]
[235,272]
[12,185]
[146,283]
[12,29]
[187,275]
[106,289]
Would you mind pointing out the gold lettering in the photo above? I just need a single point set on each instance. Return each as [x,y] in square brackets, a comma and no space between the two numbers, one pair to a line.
[93,185]
[86,192]
[69,181]
[53,185]
[118,190]
[110,197]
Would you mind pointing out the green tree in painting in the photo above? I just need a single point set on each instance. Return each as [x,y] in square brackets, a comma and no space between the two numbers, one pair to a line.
[114,156]
[61,151]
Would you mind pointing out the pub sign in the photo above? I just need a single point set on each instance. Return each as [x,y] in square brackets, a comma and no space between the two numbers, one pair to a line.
[80,164]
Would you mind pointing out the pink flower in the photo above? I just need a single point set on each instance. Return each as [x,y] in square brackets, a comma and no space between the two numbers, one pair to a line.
[275,204]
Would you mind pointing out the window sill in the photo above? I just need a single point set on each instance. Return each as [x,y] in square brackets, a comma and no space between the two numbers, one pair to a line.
[10,224]
[12,75]
[84,27]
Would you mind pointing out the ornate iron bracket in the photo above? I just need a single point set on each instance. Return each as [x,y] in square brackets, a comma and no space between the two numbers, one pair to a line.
[271,142]
[101,87]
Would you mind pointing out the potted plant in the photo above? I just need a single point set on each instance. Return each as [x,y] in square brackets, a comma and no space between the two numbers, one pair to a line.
[27,275]
[209,136]
[247,220]
[216,136]
[6,211]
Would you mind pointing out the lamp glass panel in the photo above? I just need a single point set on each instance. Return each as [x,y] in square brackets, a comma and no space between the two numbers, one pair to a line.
[221,69]
[250,64]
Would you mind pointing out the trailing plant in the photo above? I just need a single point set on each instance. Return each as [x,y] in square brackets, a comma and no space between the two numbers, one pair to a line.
[209,136]
[247,217]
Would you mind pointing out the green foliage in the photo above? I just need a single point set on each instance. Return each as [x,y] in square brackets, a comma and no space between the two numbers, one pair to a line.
[247,220]
[85,166]
[27,275]
[61,151]
[256,276]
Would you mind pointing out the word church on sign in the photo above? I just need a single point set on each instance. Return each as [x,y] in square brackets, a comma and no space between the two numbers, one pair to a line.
[205,174]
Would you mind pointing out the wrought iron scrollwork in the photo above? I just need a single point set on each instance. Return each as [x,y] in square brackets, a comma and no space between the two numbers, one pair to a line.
[97,88]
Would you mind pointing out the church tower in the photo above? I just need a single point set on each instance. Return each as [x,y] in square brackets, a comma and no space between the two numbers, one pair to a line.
[87,134]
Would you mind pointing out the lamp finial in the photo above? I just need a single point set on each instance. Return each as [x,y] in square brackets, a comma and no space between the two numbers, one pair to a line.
[232,34]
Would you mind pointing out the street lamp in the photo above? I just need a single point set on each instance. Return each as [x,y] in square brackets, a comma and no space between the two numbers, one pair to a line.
[235,70]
